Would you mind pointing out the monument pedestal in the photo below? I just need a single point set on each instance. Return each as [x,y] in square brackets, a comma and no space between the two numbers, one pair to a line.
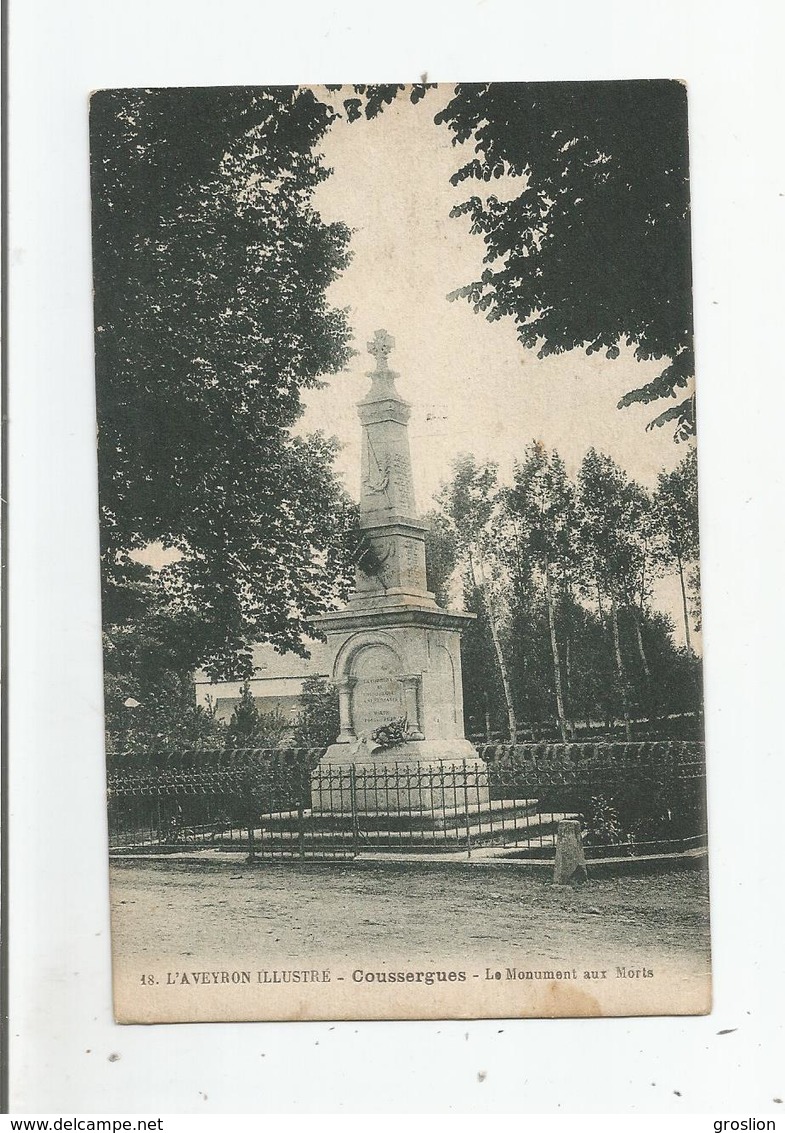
[397,663]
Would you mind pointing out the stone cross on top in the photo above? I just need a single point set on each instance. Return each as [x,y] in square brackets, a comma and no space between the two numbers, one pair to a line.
[380,346]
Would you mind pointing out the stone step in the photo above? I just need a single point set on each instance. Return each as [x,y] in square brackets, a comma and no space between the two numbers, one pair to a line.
[496,813]
[534,831]
[515,825]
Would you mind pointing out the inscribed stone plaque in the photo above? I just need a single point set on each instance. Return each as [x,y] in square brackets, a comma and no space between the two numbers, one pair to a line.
[377,697]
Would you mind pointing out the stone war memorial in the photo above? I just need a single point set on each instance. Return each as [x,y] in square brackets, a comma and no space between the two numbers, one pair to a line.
[394,655]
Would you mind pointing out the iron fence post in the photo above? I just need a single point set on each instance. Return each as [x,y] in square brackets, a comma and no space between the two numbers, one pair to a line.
[249,819]
[301,829]
[466,812]
[353,805]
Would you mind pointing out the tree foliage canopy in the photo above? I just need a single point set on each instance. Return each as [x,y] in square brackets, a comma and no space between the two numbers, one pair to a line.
[676,504]
[211,268]
[542,501]
[613,526]
[594,249]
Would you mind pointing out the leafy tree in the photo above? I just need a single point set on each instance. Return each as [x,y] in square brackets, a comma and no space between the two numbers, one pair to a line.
[468,503]
[542,506]
[612,510]
[369,99]
[643,565]
[675,671]
[318,722]
[211,269]
[694,591]
[441,557]
[150,649]
[484,702]
[590,672]
[527,646]
[676,512]
[595,249]
[167,721]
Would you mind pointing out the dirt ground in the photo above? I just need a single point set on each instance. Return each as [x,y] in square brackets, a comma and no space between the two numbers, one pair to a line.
[291,911]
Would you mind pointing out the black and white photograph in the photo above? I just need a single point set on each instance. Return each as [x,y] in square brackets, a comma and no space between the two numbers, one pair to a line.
[399,551]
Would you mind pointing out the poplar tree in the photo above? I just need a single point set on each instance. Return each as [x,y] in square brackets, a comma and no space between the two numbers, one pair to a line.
[468,503]
[542,501]
[611,510]
[676,514]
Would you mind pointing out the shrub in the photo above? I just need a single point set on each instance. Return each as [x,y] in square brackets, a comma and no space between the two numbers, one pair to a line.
[317,724]
[603,825]
[248,727]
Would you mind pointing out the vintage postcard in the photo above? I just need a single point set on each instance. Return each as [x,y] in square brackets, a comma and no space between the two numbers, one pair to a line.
[401,601]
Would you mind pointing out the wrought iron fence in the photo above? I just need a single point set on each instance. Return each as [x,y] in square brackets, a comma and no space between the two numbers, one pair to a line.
[631,798]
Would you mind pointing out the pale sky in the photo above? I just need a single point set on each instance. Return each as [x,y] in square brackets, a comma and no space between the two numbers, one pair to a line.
[472,387]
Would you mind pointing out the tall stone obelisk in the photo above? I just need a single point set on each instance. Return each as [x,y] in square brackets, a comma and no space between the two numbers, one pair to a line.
[395,654]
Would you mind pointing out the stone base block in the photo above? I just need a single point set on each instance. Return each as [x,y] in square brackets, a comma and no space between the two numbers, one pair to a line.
[412,752]
[426,776]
